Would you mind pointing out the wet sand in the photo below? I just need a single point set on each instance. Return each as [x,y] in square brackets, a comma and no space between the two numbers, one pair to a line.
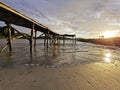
[81,67]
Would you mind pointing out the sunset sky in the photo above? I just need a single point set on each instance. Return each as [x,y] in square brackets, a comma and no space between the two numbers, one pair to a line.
[85,18]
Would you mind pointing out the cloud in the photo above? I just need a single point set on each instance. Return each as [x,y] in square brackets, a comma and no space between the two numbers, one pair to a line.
[86,18]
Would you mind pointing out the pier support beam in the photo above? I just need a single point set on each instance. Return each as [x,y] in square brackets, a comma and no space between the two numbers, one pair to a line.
[54,40]
[63,40]
[47,38]
[31,39]
[50,41]
[9,38]
[35,38]
[59,40]
[75,40]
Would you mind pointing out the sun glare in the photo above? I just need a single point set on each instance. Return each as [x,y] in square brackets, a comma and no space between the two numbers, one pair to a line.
[109,34]
[108,57]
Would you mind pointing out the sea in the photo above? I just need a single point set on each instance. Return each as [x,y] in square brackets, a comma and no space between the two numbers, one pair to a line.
[56,56]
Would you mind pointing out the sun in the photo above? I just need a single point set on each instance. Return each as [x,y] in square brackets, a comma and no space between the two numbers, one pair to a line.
[109,34]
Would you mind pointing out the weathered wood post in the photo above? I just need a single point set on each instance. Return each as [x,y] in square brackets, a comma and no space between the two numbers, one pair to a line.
[50,40]
[59,39]
[72,40]
[54,37]
[45,40]
[35,38]
[9,37]
[31,38]
[63,40]
[75,39]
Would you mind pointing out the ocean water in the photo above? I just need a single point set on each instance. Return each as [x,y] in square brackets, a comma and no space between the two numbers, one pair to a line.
[57,56]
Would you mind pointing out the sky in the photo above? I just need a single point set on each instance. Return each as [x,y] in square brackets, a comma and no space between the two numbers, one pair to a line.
[85,18]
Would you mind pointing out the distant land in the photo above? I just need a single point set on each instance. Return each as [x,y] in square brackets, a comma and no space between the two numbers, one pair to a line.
[115,41]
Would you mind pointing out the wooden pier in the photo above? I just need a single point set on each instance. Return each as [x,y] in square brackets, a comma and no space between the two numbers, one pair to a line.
[11,16]
[68,35]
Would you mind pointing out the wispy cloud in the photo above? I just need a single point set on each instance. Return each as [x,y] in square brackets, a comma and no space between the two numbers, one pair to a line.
[86,18]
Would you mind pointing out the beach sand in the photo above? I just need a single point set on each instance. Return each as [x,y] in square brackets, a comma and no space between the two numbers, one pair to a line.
[83,67]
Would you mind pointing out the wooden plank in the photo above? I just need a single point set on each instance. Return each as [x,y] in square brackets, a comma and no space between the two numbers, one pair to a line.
[4,47]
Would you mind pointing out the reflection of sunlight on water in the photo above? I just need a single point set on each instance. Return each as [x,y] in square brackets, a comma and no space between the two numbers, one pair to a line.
[108,60]
[108,54]
[107,57]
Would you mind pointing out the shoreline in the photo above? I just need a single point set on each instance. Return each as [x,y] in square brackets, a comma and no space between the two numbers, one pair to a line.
[103,41]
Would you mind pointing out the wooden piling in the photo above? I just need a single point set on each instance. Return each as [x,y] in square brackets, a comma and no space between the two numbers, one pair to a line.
[50,41]
[54,43]
[63,40]
[75,40]
[72,40]
[35,38]
[52,37]
[47,38]
[31,39]
[9,38]
[57,41]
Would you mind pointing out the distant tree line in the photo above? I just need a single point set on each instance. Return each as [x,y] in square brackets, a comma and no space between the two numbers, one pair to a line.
[115,41]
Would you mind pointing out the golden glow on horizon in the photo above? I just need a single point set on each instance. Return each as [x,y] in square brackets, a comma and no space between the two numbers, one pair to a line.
[109,34]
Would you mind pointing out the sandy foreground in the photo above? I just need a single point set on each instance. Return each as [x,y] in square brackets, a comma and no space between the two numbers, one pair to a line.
[88,67]
[81,77]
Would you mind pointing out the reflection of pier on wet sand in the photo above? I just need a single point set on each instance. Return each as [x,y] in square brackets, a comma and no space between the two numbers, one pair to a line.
[11,16]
